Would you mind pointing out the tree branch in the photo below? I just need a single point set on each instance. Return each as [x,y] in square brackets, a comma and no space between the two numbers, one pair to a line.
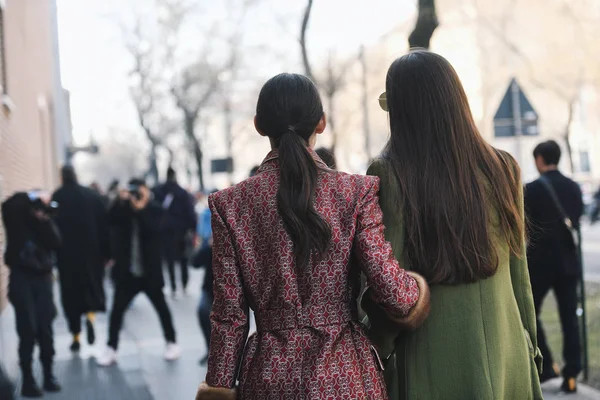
[426,24]
[304,50]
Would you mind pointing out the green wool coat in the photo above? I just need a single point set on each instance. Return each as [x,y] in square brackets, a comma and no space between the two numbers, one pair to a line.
[479,342]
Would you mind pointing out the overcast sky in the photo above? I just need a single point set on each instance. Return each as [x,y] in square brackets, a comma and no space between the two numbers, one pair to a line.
[94,64]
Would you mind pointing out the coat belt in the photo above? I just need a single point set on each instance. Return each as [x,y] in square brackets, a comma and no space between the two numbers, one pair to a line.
[309,316]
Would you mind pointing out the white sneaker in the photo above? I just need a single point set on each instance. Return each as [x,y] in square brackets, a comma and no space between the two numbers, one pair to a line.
[172,352]
[109,357]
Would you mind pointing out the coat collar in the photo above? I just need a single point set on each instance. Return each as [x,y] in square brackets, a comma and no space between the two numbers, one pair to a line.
[271,161]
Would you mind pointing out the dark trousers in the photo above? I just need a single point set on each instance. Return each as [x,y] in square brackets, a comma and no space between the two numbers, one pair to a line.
[31,296]
[204,309]
[72,311]
[73,320]
[565,290]
[174,251]
[125,292]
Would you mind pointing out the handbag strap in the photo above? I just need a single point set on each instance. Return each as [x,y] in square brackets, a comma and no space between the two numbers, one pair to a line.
[546,182]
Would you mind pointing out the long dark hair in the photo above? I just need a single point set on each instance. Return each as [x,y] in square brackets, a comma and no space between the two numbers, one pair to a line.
[288,111]
[454,189]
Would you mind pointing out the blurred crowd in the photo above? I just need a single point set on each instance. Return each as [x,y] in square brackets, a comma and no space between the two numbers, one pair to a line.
[125,235]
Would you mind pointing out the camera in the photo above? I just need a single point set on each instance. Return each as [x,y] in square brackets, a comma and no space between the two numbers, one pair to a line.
[37,204]
[134,191]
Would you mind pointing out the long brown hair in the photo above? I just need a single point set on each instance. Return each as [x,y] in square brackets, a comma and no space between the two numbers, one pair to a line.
[288,110]
[453,186]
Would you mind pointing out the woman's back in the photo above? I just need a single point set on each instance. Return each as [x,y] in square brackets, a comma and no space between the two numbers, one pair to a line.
[453,208]
[476,342]
[308,344]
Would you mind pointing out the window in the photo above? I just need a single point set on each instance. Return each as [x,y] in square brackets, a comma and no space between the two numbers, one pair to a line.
[584,161]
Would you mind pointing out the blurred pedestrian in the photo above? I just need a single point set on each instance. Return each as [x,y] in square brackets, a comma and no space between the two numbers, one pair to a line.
[453,211]
[84,252]
[177,224]
[327,156]
[595,212]
[112,194]
[113,190]
[136,218]
[98,190]
[283,241]
[31,238]
[552,255]
[203,259]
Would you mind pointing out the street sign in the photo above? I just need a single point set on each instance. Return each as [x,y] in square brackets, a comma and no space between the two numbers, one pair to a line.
[515,115]
[221,165]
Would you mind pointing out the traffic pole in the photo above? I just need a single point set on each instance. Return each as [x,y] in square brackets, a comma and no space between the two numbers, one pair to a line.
[517,119]
[581,311]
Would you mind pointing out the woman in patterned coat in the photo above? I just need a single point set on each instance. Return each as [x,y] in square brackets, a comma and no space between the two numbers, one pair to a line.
[290,243]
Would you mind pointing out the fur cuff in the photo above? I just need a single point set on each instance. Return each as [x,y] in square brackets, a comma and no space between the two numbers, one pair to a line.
[206,392]
[415,317]
[420,311]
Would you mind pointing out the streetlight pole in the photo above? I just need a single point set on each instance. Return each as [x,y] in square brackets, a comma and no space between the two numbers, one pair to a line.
[517,119]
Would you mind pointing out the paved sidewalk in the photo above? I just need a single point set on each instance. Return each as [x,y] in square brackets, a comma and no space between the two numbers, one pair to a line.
[552,391]
[141,373]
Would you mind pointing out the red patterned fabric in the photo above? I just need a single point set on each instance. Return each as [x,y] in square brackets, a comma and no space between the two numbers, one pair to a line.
[308,344]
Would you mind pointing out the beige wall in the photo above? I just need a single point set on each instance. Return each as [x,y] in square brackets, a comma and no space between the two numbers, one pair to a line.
[27,158]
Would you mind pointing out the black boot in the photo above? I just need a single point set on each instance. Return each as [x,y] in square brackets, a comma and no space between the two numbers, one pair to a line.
[569,385]
[50,383]
[29,388]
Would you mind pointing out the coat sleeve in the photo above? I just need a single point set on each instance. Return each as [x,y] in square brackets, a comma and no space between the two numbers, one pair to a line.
[229,317]
[390,286]
[117,212]
[519,275]
[150,217]
[49,234]
[579,206]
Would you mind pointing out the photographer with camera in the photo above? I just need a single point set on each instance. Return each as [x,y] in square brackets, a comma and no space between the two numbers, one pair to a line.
[137,264]
[31,237]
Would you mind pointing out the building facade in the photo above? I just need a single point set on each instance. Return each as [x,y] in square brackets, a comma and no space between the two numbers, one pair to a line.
[33,111]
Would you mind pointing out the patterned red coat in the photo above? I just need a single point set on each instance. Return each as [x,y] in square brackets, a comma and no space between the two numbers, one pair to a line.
[308,344]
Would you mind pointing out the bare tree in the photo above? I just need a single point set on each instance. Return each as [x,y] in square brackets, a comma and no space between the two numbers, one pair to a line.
[426,24]
[143,91]
[334,80]
[564,87]
[195,88]
[304,50]
[195,85]
[333,83]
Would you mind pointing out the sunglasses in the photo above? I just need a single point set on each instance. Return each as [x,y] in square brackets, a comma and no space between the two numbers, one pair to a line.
[383,102]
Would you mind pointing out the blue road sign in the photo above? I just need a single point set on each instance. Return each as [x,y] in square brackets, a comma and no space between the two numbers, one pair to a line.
[515,115]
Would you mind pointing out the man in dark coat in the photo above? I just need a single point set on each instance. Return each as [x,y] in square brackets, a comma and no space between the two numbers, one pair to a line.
[177,225]
[84,252]
[136,220]
[552,256]
[31,238]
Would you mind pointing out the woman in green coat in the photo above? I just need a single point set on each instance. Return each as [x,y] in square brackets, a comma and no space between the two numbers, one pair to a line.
[453,211]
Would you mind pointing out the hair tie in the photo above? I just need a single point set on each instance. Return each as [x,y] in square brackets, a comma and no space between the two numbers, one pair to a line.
[291,129]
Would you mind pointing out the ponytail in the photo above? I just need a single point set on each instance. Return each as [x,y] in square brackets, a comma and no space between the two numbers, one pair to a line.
[298,182]
[288,111]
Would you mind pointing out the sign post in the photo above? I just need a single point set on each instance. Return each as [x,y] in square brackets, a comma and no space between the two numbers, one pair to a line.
[516,109]
[515,117]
